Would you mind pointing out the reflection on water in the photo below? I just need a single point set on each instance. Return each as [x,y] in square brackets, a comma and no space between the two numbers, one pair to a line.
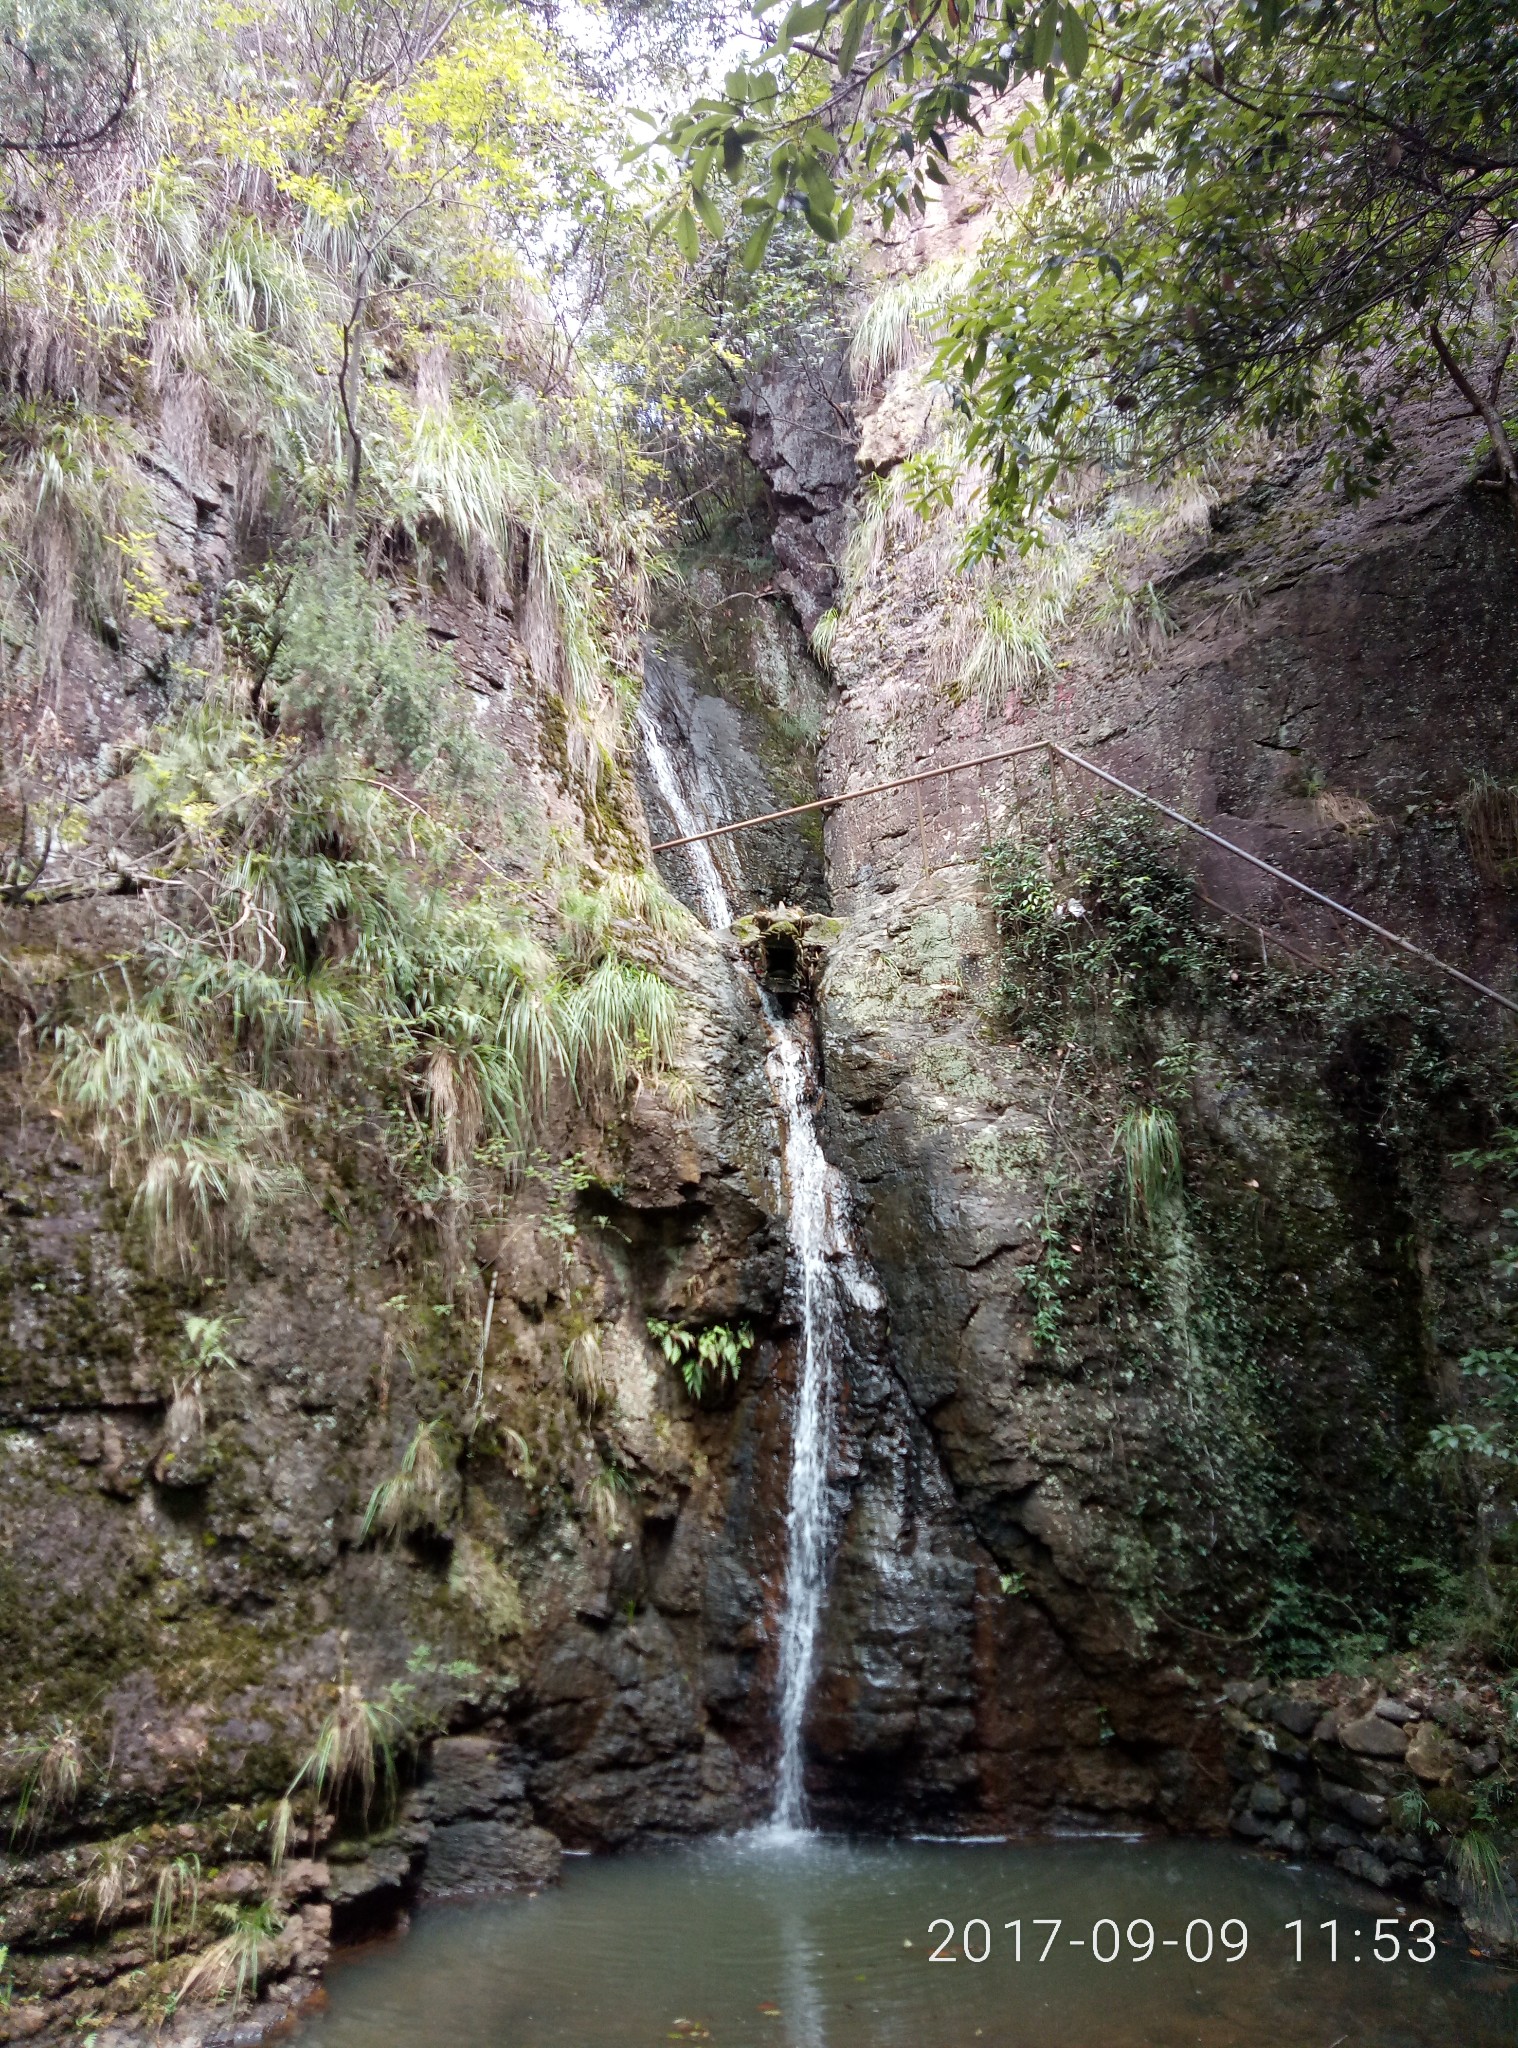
[804,1942]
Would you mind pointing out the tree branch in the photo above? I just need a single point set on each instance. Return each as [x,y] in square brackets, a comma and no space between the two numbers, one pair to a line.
[1485,407]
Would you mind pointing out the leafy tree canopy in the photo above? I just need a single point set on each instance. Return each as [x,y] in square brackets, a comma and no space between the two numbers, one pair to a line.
[68,73]
[1233,211]
[859,98]
[1229,233]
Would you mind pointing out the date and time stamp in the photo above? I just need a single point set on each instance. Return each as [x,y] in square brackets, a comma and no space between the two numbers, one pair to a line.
[1109,1941]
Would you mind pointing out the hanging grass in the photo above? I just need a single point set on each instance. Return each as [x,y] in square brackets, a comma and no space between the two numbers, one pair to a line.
[1011,656]
[1148,1142]
[48,1768]
[602,1497]
[67,492]
[1125,617]
[314,940]
[622,1017]
[353,1757]
[176,1901]
[419,1496]
[115,1869]
[465,483]
[903,318]
[232,1965]
[1489,818]
[1480,1868]
[585,1372]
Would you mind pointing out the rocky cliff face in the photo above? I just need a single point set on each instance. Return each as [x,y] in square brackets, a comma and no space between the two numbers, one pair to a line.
[182,1596]
[579,1650]
[1129,1454]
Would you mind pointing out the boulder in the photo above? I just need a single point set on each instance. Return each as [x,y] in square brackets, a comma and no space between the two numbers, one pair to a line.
[1372,1736]
[1396,1710]
[488,1856]
[1360,1863]
[1297,1717]
[1367,1809]
[467,1779]
[1430,1755]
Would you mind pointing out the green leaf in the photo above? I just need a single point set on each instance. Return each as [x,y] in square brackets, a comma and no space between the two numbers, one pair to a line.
[711,219]
[855,23]
[818,187]
[802,21]
[752,254]
[1043,37]
[687,234]
[1075,44]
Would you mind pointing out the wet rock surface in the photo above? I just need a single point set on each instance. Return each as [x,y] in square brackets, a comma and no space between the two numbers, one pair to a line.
[1119,1501]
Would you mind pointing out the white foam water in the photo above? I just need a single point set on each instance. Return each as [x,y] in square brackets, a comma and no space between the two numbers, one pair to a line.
[828,1268]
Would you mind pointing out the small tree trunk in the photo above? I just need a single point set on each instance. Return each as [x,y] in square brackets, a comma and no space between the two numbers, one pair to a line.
[1487,407]
[350,382]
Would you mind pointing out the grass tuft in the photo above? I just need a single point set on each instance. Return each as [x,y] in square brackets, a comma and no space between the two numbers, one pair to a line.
[176,1901]
[114,1871]
[49,1769]
[1479,1867]
[419,1496]
[353,1756]
[903,318]
[232,1964]
[1148,1142]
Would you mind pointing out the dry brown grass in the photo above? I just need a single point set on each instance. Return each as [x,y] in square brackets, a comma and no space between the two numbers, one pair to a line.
[1346,813]
[1489,816]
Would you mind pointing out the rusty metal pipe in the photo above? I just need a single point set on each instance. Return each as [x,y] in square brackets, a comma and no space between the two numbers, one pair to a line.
[849,796]
[1280,875]
[1057,752]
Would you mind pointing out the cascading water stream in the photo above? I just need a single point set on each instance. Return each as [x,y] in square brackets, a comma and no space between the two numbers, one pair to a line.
[828,1267]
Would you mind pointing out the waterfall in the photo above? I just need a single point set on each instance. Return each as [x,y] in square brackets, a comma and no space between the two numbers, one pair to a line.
[827,1264]
[809,1224]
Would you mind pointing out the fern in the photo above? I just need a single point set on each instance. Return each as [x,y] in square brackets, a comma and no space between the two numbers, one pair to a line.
[715,1352]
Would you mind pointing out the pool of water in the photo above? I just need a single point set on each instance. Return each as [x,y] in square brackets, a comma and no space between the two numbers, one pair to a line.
[759,1942]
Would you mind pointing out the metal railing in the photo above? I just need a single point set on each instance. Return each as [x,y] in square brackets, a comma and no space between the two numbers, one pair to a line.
[1055,752]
